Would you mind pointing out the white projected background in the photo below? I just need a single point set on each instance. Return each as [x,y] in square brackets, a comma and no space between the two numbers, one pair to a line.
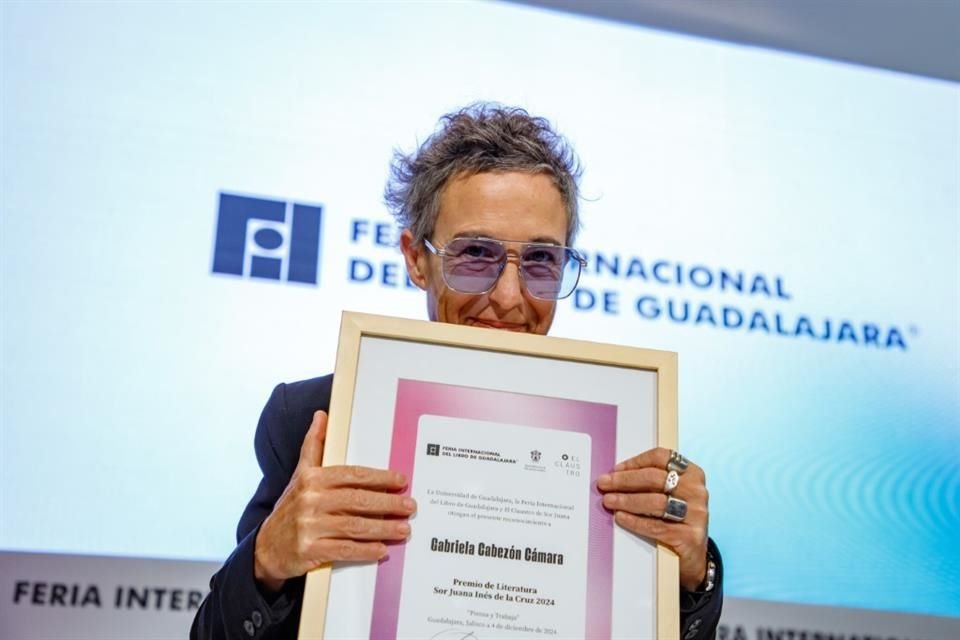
[133,376]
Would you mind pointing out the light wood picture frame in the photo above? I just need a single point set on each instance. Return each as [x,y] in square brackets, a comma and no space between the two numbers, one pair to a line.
[367,348]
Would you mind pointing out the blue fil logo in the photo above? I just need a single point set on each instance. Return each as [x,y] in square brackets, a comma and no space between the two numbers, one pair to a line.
[272,239]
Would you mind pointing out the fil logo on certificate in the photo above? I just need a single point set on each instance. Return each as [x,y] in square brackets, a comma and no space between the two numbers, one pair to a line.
[497,544]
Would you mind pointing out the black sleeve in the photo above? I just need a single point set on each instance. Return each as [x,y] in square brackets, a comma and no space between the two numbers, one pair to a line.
[235,606]
[700,610]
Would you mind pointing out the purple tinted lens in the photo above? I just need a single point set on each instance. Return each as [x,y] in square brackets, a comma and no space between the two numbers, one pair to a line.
[472,265]
[543,267]
[547,289]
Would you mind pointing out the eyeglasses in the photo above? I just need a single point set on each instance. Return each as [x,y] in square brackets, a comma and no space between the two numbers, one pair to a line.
[473,265]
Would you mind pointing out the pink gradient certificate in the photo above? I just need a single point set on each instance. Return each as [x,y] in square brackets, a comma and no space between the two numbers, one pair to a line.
[510,539]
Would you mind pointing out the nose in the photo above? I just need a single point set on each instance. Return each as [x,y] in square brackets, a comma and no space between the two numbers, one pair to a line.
[508,292]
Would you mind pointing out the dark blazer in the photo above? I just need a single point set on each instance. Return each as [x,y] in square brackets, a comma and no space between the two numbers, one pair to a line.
[235,606]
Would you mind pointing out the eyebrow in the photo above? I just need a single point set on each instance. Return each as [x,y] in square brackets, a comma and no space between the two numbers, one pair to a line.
[478,233]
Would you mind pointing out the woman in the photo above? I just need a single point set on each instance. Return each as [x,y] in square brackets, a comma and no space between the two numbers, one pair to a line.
[484,203]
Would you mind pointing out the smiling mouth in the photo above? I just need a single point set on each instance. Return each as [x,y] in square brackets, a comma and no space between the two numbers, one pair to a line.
[493,324]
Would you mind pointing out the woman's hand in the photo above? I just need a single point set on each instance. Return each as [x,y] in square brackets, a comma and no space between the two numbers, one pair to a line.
[636,492]
[329,514]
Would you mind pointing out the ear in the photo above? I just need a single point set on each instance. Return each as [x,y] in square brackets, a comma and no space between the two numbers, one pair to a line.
[416,258]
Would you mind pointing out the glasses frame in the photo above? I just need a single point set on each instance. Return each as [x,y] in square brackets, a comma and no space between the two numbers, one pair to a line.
[573,253]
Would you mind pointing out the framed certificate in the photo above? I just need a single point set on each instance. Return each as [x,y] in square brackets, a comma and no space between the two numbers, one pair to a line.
[502,436]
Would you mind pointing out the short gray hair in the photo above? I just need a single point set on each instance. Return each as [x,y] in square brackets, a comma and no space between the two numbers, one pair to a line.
[479,138]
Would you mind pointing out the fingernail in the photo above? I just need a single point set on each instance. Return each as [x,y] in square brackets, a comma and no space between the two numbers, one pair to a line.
[610,500]
[409,504]
[619,467]
[384,552]
[604,479]
[404,528]
[401,479]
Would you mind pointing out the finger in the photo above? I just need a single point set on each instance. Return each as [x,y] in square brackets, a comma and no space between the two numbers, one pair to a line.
[360,528]
[648,527]
[650,480]
[680,536]
[311,452]
[329,550]
[341,476]
[646,480]
[657,457]
[366,502]
[647,504]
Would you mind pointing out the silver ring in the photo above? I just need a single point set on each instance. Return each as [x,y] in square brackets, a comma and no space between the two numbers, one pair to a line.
[676,509]
[677,462]
[673,479]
